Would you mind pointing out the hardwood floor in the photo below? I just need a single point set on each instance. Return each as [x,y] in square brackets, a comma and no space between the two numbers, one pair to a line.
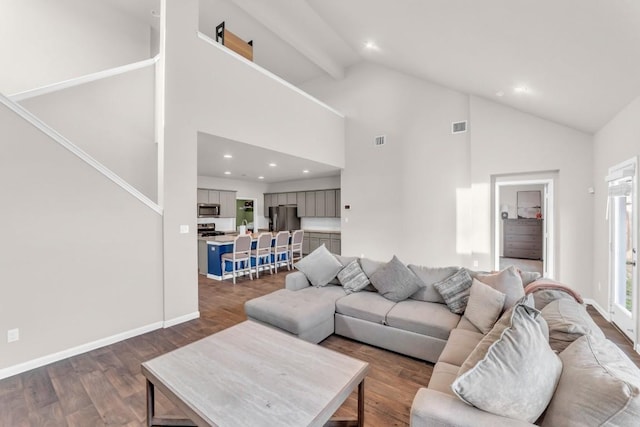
[105,386]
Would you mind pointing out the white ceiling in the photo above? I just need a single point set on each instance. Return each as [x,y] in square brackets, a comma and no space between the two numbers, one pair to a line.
[580,59]
[249,162]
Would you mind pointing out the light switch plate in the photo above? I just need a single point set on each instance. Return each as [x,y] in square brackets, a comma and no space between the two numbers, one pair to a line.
[13,335]
[184,229]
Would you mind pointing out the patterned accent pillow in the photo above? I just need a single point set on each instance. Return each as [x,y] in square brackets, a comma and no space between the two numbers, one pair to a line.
[353,278]
[455,290]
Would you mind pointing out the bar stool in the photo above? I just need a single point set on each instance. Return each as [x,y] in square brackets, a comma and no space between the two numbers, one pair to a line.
[262,253]
[280,250]
[296,246]
[241,255]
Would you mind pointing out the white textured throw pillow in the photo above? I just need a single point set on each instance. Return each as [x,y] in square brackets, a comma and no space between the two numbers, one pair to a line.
[484,306]
[320,266]
[512,372]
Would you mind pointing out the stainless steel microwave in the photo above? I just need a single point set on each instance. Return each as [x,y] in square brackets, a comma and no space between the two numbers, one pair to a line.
[208,210]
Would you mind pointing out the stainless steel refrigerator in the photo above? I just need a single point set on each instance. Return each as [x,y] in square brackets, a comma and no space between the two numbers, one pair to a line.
[284,218]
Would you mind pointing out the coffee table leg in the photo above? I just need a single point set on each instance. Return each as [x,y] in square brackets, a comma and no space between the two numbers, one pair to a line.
[361,404]
[151,403]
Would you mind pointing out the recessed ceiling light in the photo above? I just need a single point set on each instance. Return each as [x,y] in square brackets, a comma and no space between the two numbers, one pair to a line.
[273,165]
[305,171]
[371,45]
[521,89]
[228,156]
[227,173]
[500,93]
[261,177]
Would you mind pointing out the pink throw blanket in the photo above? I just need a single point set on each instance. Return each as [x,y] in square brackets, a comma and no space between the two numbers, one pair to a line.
[541,284]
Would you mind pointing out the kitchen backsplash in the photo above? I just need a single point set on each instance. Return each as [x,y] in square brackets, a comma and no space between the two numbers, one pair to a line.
[320,224]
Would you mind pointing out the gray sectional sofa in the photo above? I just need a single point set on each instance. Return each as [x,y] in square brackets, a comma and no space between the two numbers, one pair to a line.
[424,327]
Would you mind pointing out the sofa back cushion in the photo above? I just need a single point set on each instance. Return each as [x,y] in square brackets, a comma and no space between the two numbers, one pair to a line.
[512,372]
[428,276]
[568,320]
[507,281]
[599,385]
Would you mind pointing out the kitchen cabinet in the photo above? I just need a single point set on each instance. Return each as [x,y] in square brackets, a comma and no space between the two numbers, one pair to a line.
[301,198]
[208,196]
[227,204]
[214,196]
[310,199]
[320,203]
[203,196]
[203,263]
[314,239]
[291,199]
[282,199]
[330,203]
[267,204]
[338,203]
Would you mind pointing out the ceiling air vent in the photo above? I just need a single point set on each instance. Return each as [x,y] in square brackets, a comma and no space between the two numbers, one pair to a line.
[459,127]
[380,140]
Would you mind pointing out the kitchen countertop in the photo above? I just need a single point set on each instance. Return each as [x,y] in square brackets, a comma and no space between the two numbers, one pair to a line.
[322,231]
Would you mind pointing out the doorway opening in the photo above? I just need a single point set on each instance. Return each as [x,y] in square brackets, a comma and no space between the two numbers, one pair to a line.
[244,214]
[524,224]
[623,226]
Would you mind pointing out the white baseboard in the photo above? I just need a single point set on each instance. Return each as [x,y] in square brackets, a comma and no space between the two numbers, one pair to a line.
[604,313]
[181,319]
[74,351]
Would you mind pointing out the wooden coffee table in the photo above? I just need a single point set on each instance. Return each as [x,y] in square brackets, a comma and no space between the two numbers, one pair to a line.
[253,375]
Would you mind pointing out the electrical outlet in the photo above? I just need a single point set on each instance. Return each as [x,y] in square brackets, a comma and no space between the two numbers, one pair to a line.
[13,335]
[475,263]
[184,229]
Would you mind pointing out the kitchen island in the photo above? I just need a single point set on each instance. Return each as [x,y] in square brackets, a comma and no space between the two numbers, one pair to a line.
[218,245]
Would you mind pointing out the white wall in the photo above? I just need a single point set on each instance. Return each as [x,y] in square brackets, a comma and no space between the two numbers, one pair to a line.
[112,120]
[80,259]
[616,142]
[44,42]
[210,90]
[506,141]
[406,197]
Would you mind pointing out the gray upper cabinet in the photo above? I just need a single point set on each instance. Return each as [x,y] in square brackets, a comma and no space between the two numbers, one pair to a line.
[301,199]
[227,204]
[214,196]
[330,203]
[310,199]
[203,195]
[338,203]
[291,199]
[282,199]
[320,203]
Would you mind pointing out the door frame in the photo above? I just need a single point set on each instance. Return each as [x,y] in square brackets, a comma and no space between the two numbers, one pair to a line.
[548,241]
[617,172]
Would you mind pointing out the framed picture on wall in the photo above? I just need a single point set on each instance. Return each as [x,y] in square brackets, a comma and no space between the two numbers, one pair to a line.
[529,204]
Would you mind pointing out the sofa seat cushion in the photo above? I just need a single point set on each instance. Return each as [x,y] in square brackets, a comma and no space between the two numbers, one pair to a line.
[294,311]
[459,346]
[425,318]
[332,292]
[369,306]
[599,385]
[444,374]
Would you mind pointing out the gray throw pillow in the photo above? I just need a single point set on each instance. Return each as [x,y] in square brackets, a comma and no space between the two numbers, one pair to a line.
[320,266]
[512,372]
[484,306]
[529,276]
[395,281]
[507,281]
[599,386]
[455,290]
[568,320]
[353,278]
[370,267]
[429,276]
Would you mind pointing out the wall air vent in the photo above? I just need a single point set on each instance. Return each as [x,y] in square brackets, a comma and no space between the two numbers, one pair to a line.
[459,127]
[380,140]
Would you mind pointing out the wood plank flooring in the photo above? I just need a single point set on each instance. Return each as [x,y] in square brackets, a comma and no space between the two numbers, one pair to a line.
[105,386]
